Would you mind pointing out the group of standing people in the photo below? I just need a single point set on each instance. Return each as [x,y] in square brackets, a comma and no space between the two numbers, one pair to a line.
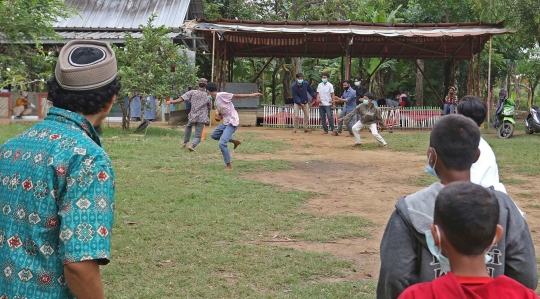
[358,104]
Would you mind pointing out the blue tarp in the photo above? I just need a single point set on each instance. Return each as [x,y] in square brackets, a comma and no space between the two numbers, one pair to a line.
[135,108]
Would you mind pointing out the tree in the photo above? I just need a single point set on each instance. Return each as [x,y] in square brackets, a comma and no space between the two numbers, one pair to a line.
[146,67]
[23,62]
[530,71]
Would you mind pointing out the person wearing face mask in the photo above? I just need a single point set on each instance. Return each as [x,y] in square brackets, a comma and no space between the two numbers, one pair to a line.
[450,101]
[325,97]
[370,116]
[465,229]
[198,115]
[404,252]
[300,91]
[360,90]
[349,98]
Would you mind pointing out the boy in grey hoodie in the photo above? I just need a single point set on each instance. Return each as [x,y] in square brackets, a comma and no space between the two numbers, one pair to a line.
[405,257]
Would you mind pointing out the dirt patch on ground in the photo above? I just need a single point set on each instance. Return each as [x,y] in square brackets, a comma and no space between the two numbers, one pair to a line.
[359,182]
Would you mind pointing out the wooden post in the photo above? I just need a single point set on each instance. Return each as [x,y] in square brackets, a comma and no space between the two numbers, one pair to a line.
[213,54]
[489,85]
[348,65]
[478,68]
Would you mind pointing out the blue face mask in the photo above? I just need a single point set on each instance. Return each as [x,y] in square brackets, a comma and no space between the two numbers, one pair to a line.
[443,260]
[210,97]
[366,102]
[300,81]
[429,168]
[357,83]
[324,80]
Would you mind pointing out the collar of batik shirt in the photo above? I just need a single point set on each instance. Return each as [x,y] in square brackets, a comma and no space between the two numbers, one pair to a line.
[66,116]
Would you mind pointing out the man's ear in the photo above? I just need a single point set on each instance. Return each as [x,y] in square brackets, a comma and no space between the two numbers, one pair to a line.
[477,156]
[434,234]
[498,234]
[108,105]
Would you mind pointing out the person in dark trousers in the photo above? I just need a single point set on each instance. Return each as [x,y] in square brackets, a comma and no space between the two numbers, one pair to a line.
[300,91]
[349,98]
[198,115]
[465,228]
[325,98]
[405,255]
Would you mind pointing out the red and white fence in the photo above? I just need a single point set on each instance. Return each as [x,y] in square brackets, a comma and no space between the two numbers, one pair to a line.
[395,118]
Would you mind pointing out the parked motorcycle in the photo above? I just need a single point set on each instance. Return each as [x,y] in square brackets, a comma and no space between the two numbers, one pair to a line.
[532,122]
[505,113]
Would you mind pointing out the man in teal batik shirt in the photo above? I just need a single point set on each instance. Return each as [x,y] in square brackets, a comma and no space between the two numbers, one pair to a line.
[57,185]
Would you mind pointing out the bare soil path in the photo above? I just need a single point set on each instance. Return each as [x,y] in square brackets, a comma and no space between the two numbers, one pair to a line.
[359,182]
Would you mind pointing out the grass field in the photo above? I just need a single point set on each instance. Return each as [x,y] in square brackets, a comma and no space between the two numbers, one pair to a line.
[186,229]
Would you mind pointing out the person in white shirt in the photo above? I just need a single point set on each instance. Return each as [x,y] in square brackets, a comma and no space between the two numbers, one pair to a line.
[325,98]
[485,171]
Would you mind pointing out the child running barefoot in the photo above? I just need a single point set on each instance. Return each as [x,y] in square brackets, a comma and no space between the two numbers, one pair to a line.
[225,111]
[465,227]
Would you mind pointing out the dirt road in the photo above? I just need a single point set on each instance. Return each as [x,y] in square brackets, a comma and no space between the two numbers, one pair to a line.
[359,182]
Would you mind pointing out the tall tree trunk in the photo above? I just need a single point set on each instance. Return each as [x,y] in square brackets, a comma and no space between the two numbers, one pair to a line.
[298,65]
[420,84]
[287,79]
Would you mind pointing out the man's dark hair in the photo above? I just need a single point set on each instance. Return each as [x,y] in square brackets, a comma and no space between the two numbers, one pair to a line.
[455,138]
[369,95]
[211,87]
[325,74]
[396,92]
[468,214]
[474,108]
[346,81]
[299,75]
[87,102]
[358,79]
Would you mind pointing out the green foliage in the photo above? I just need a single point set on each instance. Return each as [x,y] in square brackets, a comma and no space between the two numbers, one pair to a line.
[145,66]
[530,71]
[23,63]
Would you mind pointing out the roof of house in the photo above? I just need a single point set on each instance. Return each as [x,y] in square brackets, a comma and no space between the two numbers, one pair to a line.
[330,39]
[127,15]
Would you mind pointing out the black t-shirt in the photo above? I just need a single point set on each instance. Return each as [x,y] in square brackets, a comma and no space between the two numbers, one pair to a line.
[360,91]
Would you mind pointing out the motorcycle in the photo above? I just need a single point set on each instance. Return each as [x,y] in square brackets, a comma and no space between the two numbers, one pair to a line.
[505,113]
[532,122]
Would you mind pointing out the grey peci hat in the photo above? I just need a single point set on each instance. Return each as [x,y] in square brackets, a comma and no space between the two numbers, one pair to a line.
[85,65]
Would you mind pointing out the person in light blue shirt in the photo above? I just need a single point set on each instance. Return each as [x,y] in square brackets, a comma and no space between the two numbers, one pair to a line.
[57,185]
[349,98]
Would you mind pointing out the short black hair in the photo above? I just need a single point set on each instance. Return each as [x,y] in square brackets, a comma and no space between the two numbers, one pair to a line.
[211,87]
[346,81]
[455,138]
[325,74]
[87,102]
[468,214]
[299,75]
[474,108]
[358,78]
[369,95]
[396,92]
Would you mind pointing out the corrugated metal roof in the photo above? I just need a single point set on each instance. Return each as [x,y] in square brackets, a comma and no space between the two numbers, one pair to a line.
[111,36]
[127,14]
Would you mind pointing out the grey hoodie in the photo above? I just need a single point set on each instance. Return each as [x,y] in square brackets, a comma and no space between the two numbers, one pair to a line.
[406,260]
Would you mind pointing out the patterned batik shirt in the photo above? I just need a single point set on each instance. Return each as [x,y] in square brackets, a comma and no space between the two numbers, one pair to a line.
[200,106]
[56,205]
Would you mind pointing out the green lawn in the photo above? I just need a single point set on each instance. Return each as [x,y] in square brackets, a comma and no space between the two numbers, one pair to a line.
[186,229]
[519,154]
